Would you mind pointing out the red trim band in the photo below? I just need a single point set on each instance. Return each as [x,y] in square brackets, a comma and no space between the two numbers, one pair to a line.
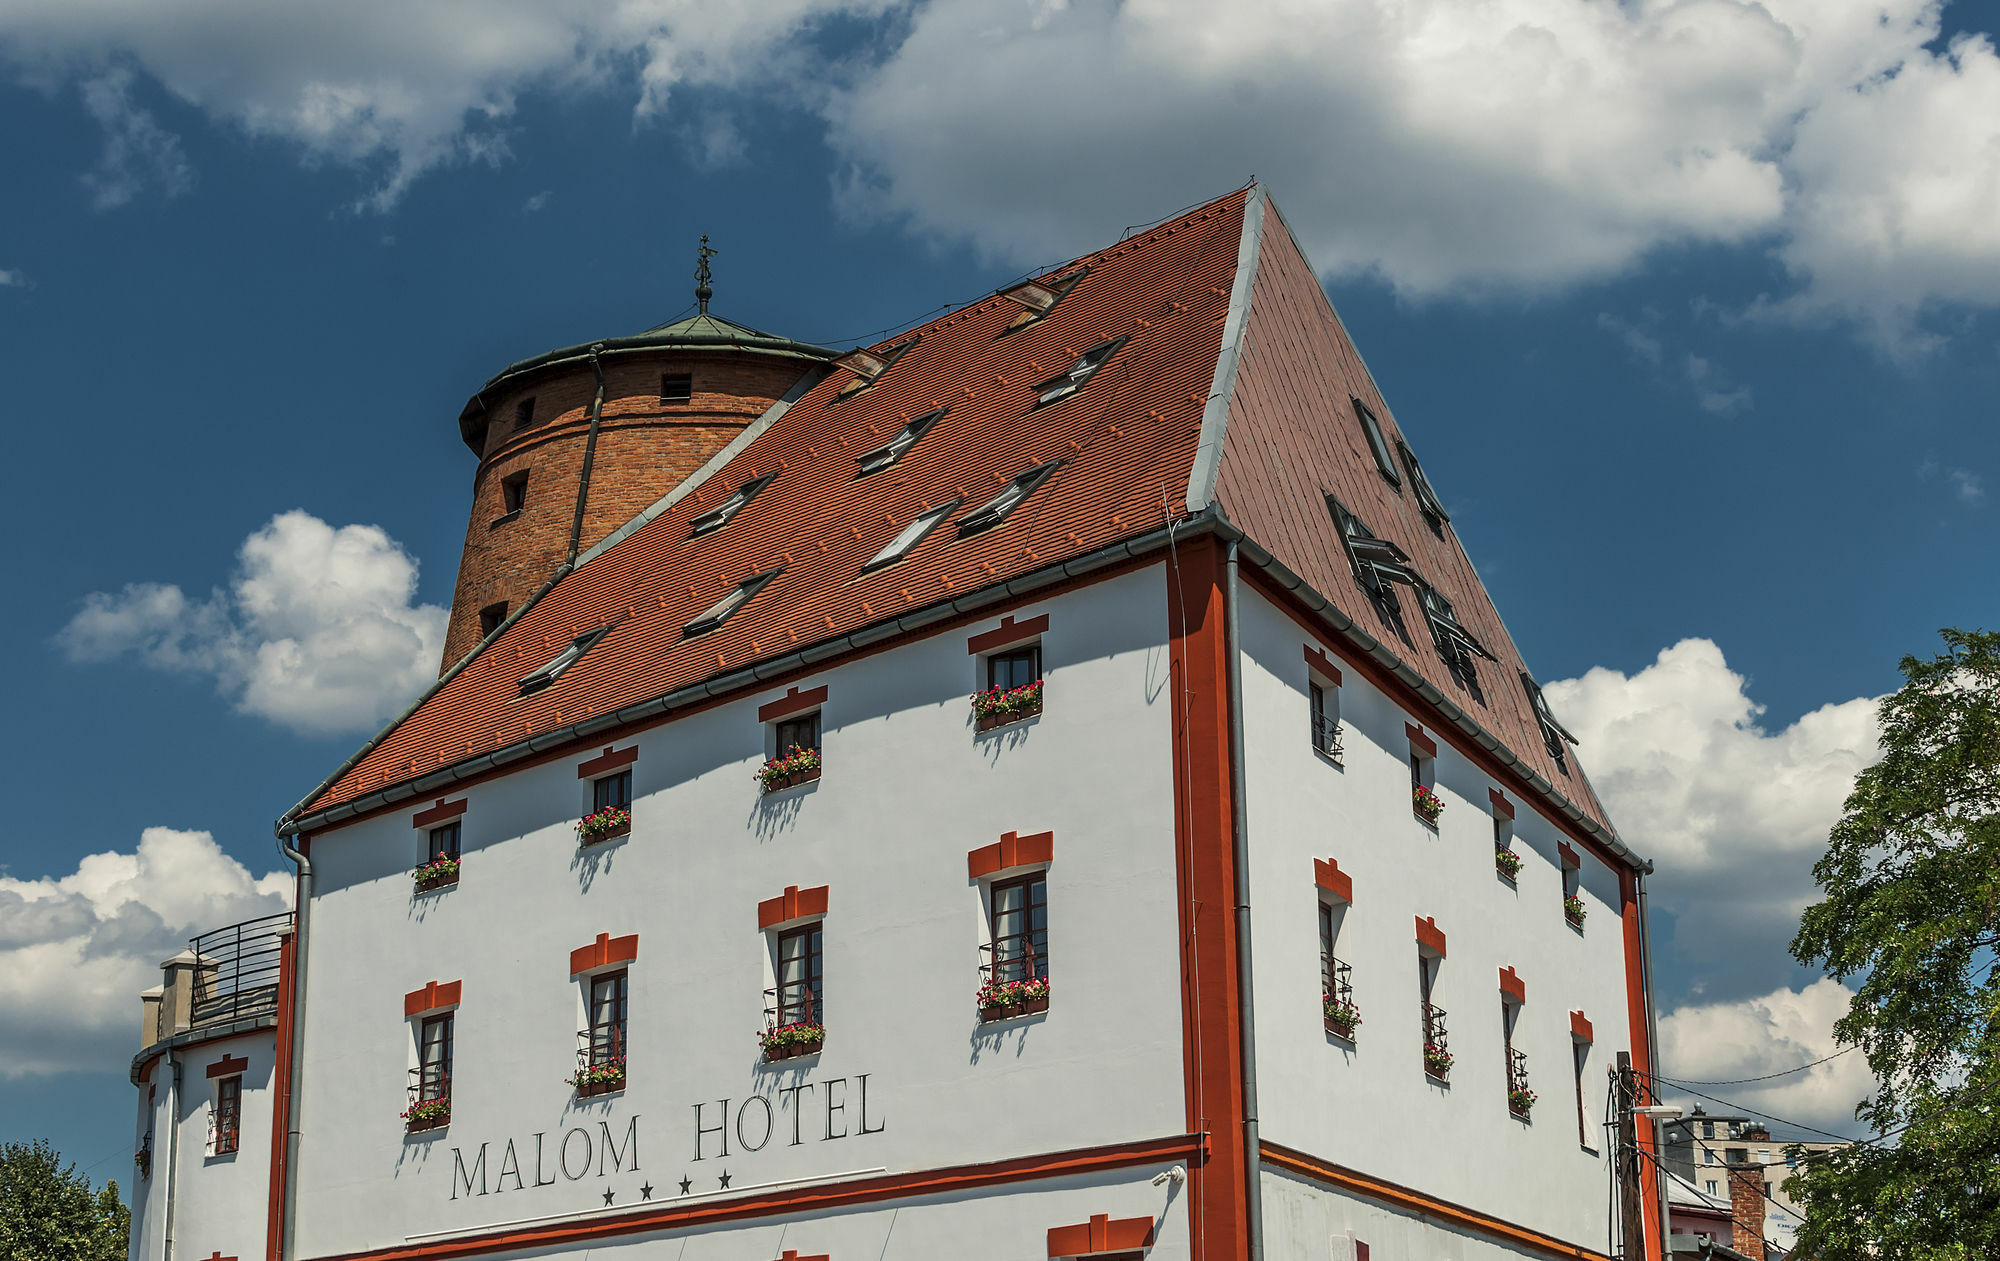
[432,997]
[603,952]
[228,1066]
[606,762]
[1328,876]
[1012,850]
[793,903]
[438,813]
[1007,632]
[792,702]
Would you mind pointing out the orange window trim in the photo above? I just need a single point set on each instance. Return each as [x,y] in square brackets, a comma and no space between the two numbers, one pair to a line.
[1008,632]
[1501,806]
[1579,1028]
[612,759]
[1328,876]
[1570,860]
[1322,665]
[794,903]
[1012,850]
[603,952]
[434,996]
[1419,741]
[1430,936]
[228,1066]
[1513,986]
[1102,1233]
[792,702]
[438,813]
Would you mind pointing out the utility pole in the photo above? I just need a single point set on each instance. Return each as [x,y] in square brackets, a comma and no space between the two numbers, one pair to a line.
[1631,1210]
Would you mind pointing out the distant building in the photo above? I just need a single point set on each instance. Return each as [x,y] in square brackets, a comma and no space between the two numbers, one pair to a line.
[1707,1149]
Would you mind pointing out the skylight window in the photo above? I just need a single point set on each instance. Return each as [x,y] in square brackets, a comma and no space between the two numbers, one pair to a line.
[1426,497]
[996,509]
[1554,735]
[1038,299]
[1377,445]
[1376,562]
[1455,644]
[1057,388]
[892,450]
[721,610]
[868,367]
[563,660]
[710,522]
[912,534]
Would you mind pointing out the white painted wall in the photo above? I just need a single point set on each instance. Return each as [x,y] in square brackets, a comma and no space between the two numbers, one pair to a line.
[1369,1106]
[221,1199]
[1304,1221]
[908,790]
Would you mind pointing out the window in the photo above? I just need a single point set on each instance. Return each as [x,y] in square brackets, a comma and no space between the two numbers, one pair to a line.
[563,660]
[996,509]
[912,534]
[1426,497]
[1377,445]
[1376,562]
[893,450]
[1710,1186]
[1020,910]
[434,1058]
[1455,644]
[1708,1129]
[613,792]
[1437,1048]
[676,388]
[607,1017]
[1038,298]
[524,413]
[1325,720]
[801,732]
[1014,668]
[721,610]
[444,841]
[1057,388]
[490,618]
[1336,976]
[1579,1054]
[514,492]
[1736,1155]
[868,367]
[226,1117]
[1517,1060]
[711,521]
[1553,734]
[801,976]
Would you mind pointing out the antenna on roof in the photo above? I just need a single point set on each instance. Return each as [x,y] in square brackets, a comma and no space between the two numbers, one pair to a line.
[703,289]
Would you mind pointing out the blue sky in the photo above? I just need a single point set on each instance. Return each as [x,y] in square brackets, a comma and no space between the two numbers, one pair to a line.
[1700,348]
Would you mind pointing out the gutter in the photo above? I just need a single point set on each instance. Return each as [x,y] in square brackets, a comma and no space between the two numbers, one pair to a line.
[301,923]
[589,458]
[1246,1021]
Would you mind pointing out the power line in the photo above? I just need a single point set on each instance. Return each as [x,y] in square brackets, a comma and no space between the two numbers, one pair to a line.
[1744,1081]
[1797,1125]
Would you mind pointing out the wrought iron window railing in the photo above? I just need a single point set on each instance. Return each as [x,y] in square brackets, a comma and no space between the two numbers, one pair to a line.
[599,1046]
[1437,1041]
[1338,980]
[225,1131]
[792,1005]
[429,1099]
[1014,961]
[1326,736]
[1517,1070]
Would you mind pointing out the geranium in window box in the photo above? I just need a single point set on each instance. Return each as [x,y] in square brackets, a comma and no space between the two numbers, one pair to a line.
[439,873]
[997,706]
[1342,1017]
[1437,1061]
[1507,862]
[796,767]
[602,825]
[1004,1000]
[427,1114]
[601,1078]
[1520,1100]
[142,1160]
[1426,803]
[787,1042]
[1573,909]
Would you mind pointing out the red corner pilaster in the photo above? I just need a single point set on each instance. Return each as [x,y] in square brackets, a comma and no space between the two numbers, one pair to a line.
[1637,1004]
[281,1086]
[1011,850]
[1101,1234]
[1328,876]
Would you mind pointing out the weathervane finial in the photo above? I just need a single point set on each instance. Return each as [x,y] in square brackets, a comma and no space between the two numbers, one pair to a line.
[703,290]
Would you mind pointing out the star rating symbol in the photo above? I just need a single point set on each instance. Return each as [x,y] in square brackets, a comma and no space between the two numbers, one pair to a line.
[725,1179]
[685,1184]
[646,1192]
[608,1193]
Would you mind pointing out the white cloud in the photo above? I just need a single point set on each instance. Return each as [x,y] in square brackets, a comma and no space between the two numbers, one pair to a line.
[137,150]
[1733,814]
[538,202]
[13,279]
[317,633]
[1967,486]
[1771,1033]
[1645,347]
[1714,391]
[76,950]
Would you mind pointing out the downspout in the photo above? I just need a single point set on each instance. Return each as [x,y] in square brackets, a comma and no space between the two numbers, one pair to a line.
[1652,1041]
[1246,1018]
[589,458]
[302,921]
[173,1150]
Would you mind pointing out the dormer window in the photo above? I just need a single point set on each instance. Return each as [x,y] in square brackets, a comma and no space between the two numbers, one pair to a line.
[868,367]
[563,660]
[1377,444]
[1038,298]
[1376,562]
[722,609]
[912,534]
[1057,388]
[1454,643]
[1554,736]
[893,450]
[710,522]
[996,509]
[1426,497]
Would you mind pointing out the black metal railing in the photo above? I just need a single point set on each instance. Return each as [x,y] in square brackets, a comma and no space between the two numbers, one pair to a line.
[225,1131]
[791,1005]
[1437,1041]
[427,1084]
[1338,980]
[1016,965]
[238,973]
[601,1045]
[1326,736]
[1517,1071]
[430,1099]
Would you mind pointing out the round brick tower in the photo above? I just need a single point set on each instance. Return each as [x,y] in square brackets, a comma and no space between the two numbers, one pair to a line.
[672,397]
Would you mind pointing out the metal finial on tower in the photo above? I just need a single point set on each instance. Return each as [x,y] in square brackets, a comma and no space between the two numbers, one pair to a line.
[703,290]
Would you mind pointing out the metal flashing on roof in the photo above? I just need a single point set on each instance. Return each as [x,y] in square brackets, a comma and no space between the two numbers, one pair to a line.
[1215,413]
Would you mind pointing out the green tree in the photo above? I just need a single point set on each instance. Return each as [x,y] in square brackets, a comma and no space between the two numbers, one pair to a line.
[1912,909]
[48,1212]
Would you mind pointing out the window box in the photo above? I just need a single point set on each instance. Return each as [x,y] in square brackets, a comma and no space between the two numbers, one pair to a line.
[439,873]
[1426,803]
[1005,1000]
[1342,1018]
[142,1160]
[603,825]
[1573,910]
[799,766]
[789,1042]
[997,706]
[1337,992]
[1507,862]
[427,1114]
[602,1078]
[1437,1061]
[1437,1053]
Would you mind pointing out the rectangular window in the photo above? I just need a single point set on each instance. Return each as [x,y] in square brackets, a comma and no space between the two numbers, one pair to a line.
[1426,497]
[1021,928]
[444,841]
[563,660]
[524,413]
[723,609]
[798,733]
[514,492]
[1378,446]
[490,618]
[912,534]
[228,1116]
[1012,496]
[801,976]
[1325,720]
[714,519]
[893,450]
[1554,735]
[1579,1052]
[1016,668]
[607,1017]
[434,1058]
[1057,388]
[613,792]
[676,388]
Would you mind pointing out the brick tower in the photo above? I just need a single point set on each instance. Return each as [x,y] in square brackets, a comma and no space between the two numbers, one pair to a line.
[573,443]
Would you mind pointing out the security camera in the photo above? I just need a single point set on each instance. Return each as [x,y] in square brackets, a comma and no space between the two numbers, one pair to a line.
[1177,1174]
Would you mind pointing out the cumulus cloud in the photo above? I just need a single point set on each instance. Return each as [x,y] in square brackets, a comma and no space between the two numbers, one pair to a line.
[538,202]
[1770,1033]
[1734,814]
[11,278]
[1713,390]
[137,151]
[318,632]
[76,950]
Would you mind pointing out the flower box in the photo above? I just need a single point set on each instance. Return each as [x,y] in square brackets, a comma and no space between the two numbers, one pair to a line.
[1437,1062]
[996,707]
[800,766]
[1427,804]
[603,825]
[1342,1018]
[601,1078]
[1507,862]
[439,873]
[789,1042]
[143,1161]
[1573,910]
[1520,1100]
[1004,1000]
[427,1114]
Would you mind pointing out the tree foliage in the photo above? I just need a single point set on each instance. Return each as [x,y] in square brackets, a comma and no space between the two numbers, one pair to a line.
[49,1213]
[1911,880]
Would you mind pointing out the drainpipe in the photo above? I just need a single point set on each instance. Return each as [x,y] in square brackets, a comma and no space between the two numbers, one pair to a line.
[1652,1040]
[1253,1161]
[302,920]
[589,458]
[173,1149]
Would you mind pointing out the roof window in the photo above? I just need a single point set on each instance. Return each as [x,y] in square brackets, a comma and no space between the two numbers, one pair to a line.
[1426,497]
[1554,735]
[1377,444]
[1454,643]
[868,367]
[721,610]
[892,450]
[713,520]
[563,660]
[996,509]
[913,533]
[1057,388]
[1376,562]
[1038,298]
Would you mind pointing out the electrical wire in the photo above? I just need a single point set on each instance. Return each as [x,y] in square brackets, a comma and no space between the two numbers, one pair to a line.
[1744,1081]
[1797,1125]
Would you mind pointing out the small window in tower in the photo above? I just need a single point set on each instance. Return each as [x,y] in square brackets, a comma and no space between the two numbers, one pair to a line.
[893,450]
[225,1116]
[524,412]
[710,522]
[563,660]
[1377,444]
[722,609]
[1426,497]
[676,388]
[996,509]
[514,492]
[912,534]
[490,618]
[1554,736]
[868,367]
[1038,298]
[1057,388]
[1376,562]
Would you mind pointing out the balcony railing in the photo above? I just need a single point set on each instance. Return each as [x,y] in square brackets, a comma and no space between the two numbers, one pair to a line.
[1437,1042]
[238,973]
[1326,736]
